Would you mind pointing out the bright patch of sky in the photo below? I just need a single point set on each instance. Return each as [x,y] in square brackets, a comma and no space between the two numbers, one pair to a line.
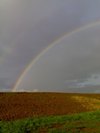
[92,81]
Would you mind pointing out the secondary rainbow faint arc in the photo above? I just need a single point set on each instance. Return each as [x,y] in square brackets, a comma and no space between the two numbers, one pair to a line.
[49,47]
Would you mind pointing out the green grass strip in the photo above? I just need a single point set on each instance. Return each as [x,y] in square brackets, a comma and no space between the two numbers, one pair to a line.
[32,125]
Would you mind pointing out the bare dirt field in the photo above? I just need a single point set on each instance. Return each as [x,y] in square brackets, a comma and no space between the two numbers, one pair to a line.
[22,105]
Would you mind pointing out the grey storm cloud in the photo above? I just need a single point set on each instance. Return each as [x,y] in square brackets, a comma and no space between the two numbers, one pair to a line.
[72,62]
[27,27]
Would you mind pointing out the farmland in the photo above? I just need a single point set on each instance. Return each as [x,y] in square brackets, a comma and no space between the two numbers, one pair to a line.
[49,113]
[14,106]
[88,122]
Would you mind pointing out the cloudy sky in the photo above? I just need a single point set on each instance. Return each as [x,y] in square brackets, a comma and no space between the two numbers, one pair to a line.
[28,27]
[71,63]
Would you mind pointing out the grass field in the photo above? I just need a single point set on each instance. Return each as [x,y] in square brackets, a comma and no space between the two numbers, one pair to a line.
[76,123]
[49,113]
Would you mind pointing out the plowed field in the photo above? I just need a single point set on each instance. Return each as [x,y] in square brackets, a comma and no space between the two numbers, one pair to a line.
[21,105]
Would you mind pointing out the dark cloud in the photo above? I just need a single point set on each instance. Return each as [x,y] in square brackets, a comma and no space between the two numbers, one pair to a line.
[27,27]
[73,62]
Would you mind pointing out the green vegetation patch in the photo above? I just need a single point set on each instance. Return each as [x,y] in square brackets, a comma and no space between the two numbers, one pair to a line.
[83,122]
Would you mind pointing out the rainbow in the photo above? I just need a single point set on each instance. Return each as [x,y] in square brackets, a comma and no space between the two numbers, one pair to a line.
[49,47]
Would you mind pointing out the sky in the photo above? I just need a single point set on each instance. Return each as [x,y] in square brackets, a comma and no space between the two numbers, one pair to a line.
[28,27]
[70,64]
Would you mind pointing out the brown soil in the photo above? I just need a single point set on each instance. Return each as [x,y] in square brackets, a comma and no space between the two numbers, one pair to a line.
[22,105]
